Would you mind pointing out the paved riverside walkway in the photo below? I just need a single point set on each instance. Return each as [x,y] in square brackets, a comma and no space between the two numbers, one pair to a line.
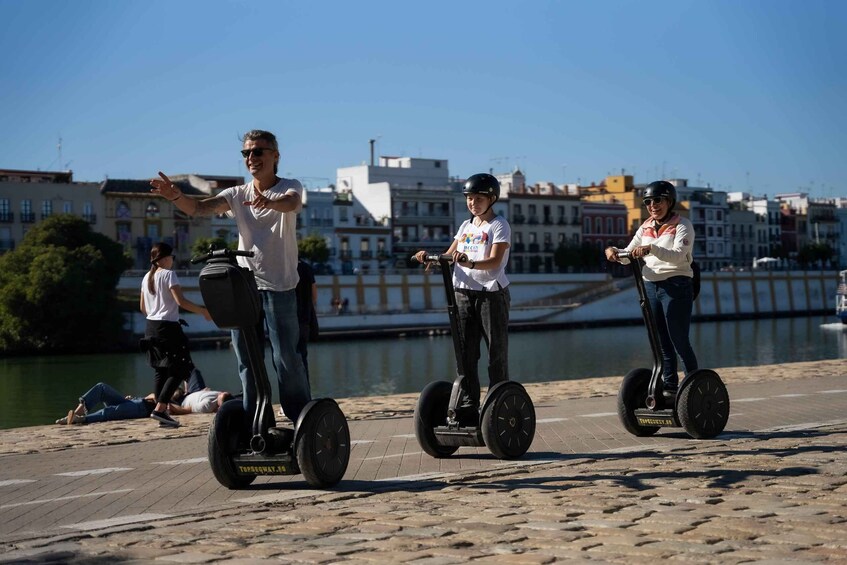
[772,488]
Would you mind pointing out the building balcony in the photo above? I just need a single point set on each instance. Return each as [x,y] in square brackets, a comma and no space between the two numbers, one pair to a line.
[345,255]
[90,218]
[548,220]
[366,254]
[533,248]
[27,217]
[7,217]
[519,248]
[548,248]
[533,220]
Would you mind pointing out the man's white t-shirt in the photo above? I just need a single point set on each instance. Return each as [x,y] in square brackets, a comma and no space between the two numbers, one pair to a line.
[162,305]
[475,242]
[269,234]
[201,401]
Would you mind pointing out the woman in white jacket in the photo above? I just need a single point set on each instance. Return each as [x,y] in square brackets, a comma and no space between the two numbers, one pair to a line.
[665,241]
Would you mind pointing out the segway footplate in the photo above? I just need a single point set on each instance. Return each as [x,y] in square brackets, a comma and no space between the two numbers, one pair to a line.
[458,437]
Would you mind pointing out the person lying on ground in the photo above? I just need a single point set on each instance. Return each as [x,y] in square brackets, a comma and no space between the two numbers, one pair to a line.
[120,407]
[201,402]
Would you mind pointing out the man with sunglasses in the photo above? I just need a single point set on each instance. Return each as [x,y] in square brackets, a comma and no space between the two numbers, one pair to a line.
[265,211]
[665,241]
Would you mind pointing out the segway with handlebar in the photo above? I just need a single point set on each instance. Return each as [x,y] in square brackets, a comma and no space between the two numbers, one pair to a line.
[239,450]
[701,405]
[505,422]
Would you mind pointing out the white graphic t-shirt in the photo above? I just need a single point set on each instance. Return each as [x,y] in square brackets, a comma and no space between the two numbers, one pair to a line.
[475,242]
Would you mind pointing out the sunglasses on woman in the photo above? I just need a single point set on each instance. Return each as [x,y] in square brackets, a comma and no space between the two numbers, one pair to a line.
[657,200]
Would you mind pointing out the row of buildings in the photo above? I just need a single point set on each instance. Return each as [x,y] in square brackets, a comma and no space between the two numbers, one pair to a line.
[377,215]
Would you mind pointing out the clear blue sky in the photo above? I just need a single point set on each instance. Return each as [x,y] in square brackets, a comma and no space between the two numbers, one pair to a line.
[741,94]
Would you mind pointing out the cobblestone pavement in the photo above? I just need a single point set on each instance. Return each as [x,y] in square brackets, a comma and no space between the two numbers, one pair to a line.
[772,488]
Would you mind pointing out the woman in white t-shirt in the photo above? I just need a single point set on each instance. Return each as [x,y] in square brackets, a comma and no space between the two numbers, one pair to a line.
[164,340]
[480,252]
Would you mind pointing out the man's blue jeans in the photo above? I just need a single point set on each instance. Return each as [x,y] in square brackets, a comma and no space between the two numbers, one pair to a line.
[118,407]
[280,312]
[671,301]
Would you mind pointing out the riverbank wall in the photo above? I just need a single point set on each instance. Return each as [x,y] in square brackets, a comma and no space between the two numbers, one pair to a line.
[386,305]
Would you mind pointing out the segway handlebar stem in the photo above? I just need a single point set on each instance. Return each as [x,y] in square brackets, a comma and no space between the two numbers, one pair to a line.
[650,323]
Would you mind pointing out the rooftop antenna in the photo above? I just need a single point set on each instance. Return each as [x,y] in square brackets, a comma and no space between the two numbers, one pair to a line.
[518,161]
[58,155]
[372,143]
[498,161]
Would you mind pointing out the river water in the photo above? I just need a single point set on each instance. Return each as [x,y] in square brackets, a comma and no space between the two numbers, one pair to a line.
[38,390]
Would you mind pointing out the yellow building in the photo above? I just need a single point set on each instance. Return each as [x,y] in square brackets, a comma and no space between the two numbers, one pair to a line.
[622,189]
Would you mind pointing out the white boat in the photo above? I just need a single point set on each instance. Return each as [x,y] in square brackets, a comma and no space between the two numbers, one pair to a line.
[841,297]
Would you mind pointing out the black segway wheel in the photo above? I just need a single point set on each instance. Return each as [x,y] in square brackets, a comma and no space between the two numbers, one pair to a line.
[430,413]
[228,435]
[508,421]
[632,396]
[323,444]
[703,404]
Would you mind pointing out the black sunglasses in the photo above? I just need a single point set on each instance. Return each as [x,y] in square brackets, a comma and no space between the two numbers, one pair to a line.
[256,151]
[658,200]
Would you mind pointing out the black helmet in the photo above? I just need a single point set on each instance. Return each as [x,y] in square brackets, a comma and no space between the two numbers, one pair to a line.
[482,183]
[661,189]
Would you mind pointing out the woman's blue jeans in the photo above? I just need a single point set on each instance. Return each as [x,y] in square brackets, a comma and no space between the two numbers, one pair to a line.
[118,407]
[671,302]
[280,312]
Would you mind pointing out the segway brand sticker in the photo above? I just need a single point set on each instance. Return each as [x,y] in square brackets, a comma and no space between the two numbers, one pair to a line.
[654,421]
[262,469]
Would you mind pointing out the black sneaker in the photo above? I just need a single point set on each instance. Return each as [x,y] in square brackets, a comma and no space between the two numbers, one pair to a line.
[468,416]
[164,419]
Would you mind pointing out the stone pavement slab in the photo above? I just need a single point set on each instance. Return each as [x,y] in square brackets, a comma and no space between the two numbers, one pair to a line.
[772,488]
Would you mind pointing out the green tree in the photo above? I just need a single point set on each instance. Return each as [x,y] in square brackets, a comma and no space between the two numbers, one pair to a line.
[815,254]
[58,290]
[313,248]
[570,257]
[202,245]
[567,257]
